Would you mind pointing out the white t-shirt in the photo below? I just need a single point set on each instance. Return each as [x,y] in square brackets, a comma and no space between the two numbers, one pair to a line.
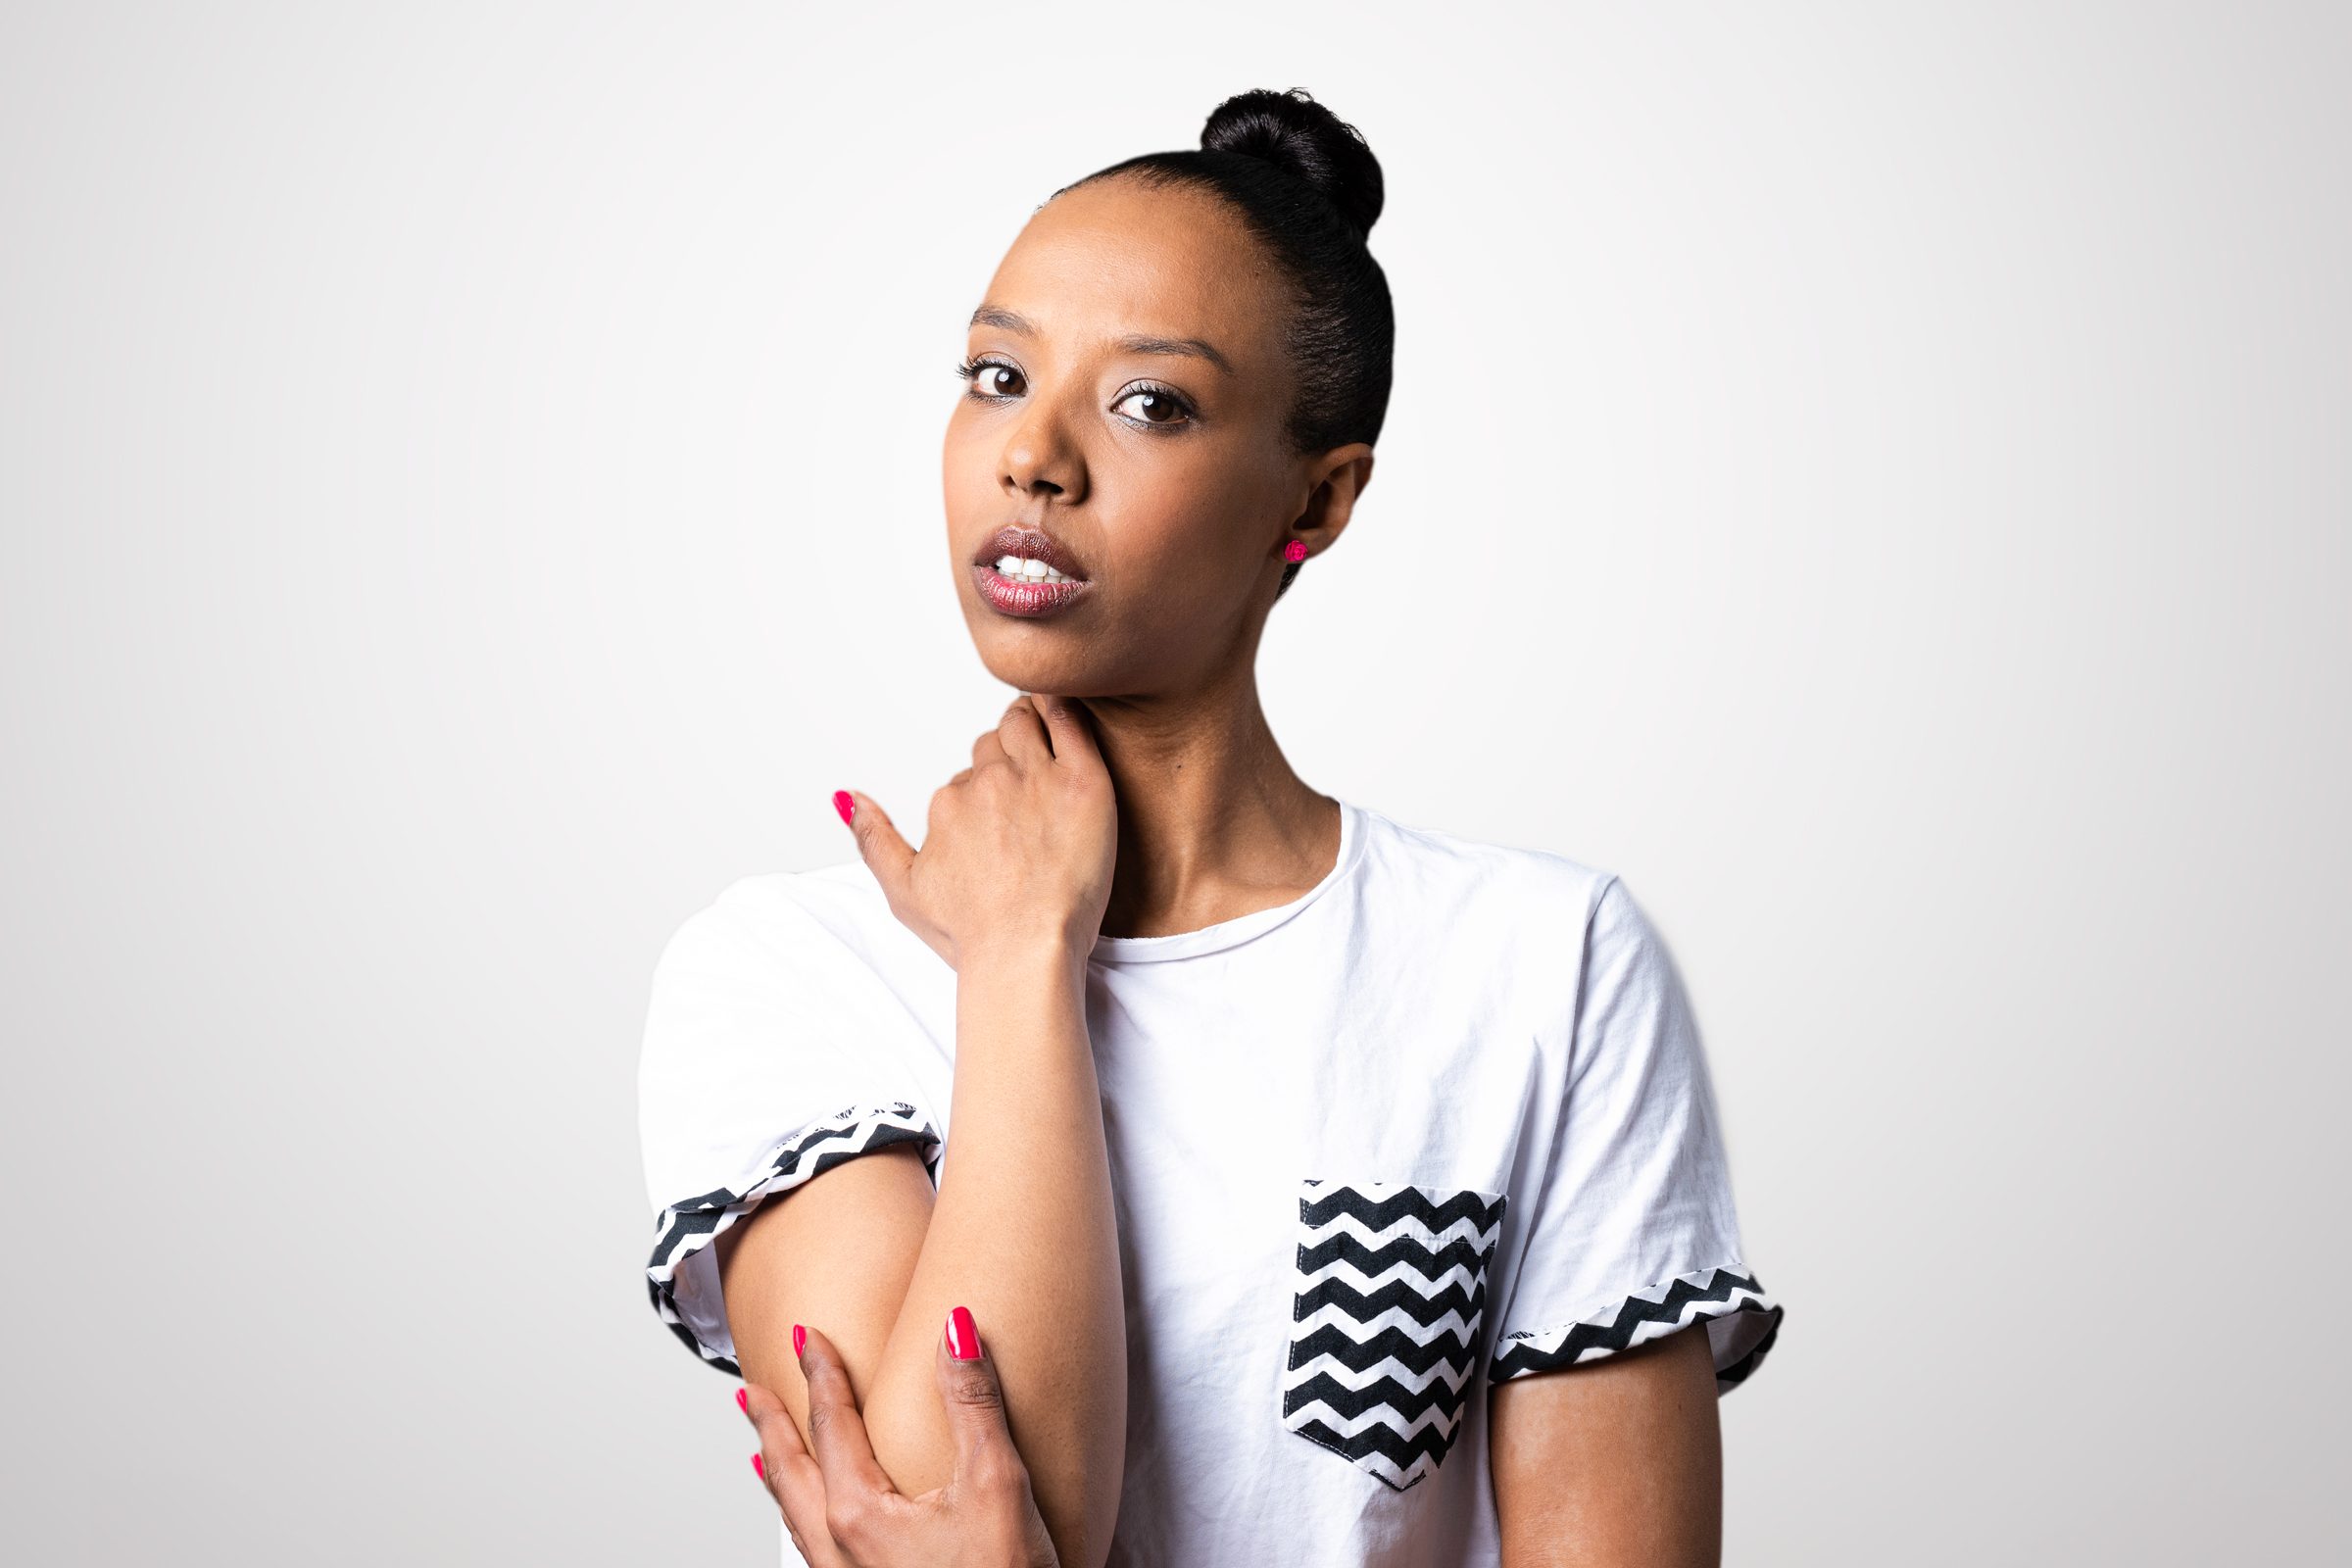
[1442,1120]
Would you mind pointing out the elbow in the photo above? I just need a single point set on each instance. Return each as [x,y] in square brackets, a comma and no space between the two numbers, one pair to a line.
[1071,1479]
[909,1433]
[1077,1495]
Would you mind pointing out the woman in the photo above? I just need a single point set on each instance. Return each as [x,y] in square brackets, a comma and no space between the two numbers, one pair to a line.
[1334,1191]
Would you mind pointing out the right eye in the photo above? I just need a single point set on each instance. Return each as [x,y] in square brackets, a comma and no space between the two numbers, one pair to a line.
[988,380]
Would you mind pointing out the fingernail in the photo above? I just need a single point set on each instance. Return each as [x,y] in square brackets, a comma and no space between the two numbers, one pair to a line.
[799,1340]
[964,1337]
[759,1467]
[844,805]
[742,1400]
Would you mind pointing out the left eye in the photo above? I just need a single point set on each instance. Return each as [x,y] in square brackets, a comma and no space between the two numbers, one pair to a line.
[1153,406]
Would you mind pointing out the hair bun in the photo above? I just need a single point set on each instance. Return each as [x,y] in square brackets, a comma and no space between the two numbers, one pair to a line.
[1303,137]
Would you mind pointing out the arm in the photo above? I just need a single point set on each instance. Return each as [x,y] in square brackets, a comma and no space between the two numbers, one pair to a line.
[1010,888]
[986,1515]
[836,1250]
[1614,1464]
[1024,1235]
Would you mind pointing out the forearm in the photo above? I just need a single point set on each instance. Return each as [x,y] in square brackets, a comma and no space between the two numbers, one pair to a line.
[1024,1232]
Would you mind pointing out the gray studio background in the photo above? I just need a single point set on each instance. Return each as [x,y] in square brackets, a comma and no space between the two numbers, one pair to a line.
[1875,477]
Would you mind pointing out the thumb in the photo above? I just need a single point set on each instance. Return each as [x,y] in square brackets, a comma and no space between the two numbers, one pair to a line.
[974,1398]
[879,844]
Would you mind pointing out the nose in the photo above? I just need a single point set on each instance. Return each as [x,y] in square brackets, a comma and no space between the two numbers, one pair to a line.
[1040,460]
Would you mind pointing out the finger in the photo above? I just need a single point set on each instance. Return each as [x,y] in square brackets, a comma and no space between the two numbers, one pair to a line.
[1067,728]
[844,1458]
[886,853]
[1022,730]
[974,1398]
[791,1475]
[988,746]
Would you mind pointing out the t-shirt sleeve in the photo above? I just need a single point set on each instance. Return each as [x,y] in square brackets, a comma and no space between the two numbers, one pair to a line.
[1632,1233]
[767,1061]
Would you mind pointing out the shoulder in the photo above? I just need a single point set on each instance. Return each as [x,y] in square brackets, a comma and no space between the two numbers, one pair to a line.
[786,971]
[802,922]
[1557,892]
[1546,912]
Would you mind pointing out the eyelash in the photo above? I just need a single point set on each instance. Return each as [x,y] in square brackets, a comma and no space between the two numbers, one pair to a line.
[965,370]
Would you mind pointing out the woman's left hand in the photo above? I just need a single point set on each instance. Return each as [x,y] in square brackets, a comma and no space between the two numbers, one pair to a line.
[842,1509]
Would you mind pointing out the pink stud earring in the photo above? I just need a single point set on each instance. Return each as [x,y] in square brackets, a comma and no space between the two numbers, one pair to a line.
[1295,549]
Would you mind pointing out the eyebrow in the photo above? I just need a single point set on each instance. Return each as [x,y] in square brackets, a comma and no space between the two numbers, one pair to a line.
[1139,343]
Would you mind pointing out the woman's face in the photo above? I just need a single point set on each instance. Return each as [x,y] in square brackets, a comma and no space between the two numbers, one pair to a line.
[1127,400]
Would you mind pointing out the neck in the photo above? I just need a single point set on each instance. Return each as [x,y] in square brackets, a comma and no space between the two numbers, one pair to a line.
[1214,824]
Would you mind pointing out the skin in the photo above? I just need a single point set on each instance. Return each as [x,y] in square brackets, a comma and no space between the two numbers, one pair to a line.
[840,1505]
[1180,527]
[1614,1462]
[1021,1229]
[1133,789]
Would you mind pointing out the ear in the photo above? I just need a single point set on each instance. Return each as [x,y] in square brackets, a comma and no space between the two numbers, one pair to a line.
[1337,478]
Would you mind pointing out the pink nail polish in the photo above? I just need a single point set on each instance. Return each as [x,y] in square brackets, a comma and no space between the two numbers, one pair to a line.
[759,1467]
[799,1340]
[742,1401]
[964,1336]
[844,805]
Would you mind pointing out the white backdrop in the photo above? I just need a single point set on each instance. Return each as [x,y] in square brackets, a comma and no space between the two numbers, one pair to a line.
[1873,476]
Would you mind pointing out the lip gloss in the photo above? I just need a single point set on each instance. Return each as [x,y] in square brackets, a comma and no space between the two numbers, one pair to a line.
[1017,596]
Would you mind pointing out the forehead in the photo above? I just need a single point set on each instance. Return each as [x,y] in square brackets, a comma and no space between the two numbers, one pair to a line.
[1117,257]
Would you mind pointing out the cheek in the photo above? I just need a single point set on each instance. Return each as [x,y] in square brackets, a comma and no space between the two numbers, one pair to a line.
[970,480]
[1213,498]
[959,457]
[1190,527]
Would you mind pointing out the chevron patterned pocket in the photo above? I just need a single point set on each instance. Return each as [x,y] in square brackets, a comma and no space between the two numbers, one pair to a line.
[1391,1287]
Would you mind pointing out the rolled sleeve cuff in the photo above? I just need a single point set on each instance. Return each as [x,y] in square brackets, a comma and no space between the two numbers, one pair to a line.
[682,1277]
[1741,1323]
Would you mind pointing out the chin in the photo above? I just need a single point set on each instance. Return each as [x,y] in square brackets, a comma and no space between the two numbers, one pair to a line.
[1033,669]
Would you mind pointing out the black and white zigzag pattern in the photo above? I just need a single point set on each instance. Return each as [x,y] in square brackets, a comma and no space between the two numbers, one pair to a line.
[691,1224]
[1392,1282]
[1645,1315]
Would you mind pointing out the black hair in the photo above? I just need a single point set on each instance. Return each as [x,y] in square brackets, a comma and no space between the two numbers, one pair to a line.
[1308,188]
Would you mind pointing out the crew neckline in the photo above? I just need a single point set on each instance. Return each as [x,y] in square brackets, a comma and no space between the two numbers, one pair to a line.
[1242,927]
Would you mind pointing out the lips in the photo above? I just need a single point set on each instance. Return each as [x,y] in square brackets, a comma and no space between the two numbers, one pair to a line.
[1034,544]
[1027,597]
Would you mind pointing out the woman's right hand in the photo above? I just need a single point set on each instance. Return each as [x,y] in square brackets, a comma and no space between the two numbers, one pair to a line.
[1021,844]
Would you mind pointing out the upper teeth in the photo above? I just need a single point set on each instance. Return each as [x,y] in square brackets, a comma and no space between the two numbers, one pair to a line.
[1034,571]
